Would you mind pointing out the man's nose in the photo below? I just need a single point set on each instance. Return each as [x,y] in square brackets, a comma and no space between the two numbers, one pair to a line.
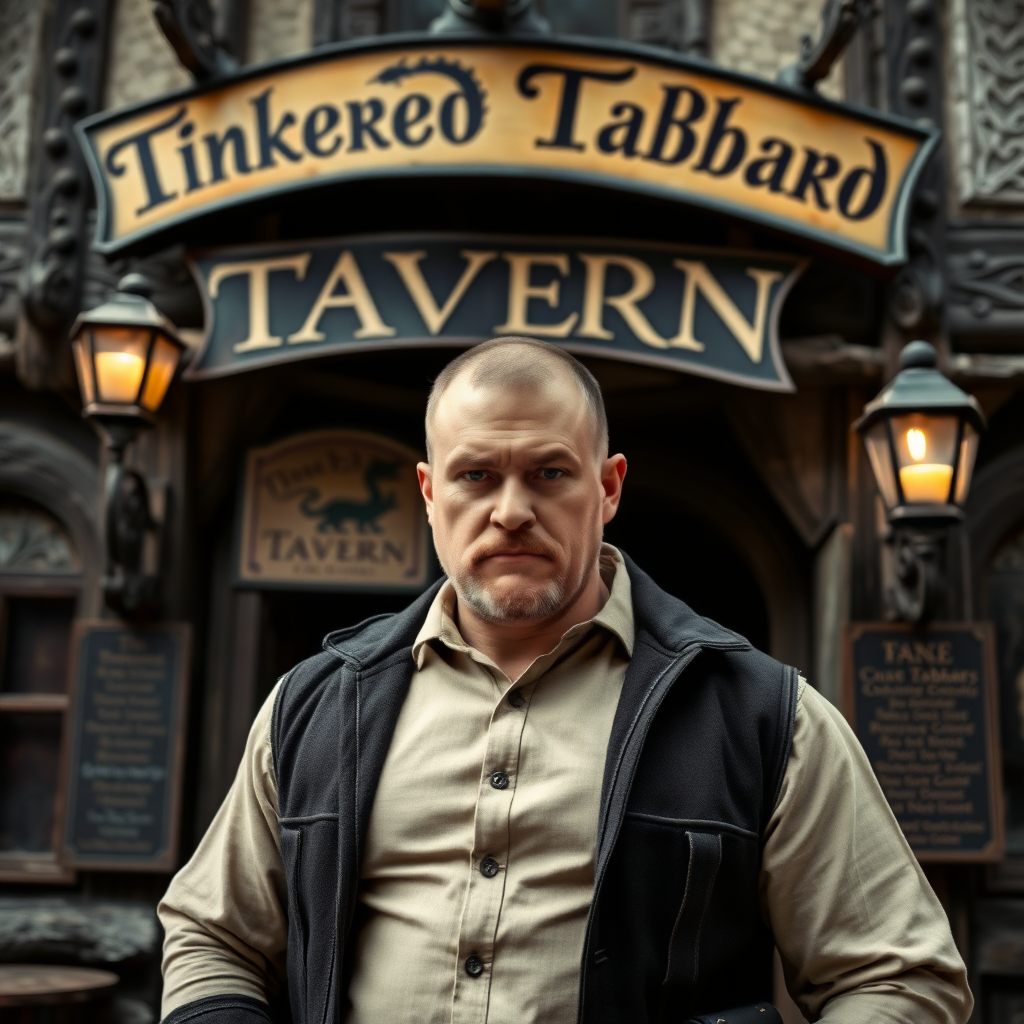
[513,508]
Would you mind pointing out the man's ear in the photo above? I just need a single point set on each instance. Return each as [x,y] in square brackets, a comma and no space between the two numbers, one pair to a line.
[426,482]
[613,472]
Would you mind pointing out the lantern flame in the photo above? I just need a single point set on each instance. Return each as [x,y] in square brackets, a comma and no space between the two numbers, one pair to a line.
[917,444]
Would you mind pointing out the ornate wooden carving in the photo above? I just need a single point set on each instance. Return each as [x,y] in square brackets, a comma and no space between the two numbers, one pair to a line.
[60,193]
[987,38]
[12,258]
[18,51]
[986,281]
[914,68]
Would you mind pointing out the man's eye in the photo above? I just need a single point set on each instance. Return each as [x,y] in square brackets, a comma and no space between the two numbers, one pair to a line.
[551,474]
[475,476]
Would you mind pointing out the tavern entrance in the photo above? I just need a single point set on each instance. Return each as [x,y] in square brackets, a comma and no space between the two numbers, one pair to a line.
[695,514]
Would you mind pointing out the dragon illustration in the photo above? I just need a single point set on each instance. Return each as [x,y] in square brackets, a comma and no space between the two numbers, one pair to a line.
[334,514]
[469,90]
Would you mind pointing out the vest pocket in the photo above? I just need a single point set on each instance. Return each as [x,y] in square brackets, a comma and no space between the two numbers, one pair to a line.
[291,854]
[684,945]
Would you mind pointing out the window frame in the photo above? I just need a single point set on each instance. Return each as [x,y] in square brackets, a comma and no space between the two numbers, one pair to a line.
[41,868]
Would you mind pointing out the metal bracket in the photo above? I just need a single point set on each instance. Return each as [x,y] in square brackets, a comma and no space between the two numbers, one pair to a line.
[127,586]
[189,28]
[840,19]
[915,591]
[487,17]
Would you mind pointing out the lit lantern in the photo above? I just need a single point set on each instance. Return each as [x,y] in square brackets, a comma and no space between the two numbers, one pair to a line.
[921,435]
[126,354]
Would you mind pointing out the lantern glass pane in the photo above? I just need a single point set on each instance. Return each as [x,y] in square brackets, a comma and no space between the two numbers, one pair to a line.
[120,357]
[876,440]
[925,456]
[82,365]
[162,364]
[968,453]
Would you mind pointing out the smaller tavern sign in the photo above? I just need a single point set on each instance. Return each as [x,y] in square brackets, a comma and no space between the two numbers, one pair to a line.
[604,114]
[923,704]
[337,509]
[126,745]
[705,311]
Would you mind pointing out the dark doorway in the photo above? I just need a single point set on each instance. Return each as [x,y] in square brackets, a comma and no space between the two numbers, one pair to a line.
[692,561]
[295,624]
[688,559]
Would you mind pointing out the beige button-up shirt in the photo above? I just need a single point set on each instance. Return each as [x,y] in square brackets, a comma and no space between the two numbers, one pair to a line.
[480,854]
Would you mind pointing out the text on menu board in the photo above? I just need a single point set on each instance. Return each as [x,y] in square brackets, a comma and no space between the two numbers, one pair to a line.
[125,752]
[923,706]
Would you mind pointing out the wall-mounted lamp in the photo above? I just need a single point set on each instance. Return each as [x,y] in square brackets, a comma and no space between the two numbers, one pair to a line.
[921,435]
[126,354]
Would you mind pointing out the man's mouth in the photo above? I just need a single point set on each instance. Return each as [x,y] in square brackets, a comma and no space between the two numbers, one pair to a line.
[512,555]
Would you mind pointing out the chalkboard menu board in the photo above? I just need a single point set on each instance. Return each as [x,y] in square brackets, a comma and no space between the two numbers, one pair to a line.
[922,702]
[124,747]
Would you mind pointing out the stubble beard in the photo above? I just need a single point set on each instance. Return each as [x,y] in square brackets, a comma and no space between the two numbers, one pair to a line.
[528,604]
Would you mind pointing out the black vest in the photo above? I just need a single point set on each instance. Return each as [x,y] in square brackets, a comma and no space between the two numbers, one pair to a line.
[698,749]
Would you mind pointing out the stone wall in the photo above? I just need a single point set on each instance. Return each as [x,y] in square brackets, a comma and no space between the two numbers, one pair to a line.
[20,22]
[762,36]
[140,61]
[279,28]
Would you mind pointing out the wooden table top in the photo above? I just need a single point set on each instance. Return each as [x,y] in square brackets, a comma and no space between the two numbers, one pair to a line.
[25,984]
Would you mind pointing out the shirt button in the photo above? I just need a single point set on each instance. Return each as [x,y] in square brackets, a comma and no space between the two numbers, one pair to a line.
[499,780]
[489,867]
[516,699]
[474,966]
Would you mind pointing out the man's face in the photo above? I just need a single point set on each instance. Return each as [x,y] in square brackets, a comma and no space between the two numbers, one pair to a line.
[518,496]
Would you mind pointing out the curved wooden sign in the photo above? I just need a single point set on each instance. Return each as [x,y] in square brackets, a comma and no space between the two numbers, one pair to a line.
[615,115]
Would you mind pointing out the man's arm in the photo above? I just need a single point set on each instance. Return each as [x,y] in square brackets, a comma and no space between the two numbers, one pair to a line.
[224,913]
[861,934]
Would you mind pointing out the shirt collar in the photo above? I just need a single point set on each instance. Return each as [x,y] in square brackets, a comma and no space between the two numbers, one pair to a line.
[616,616]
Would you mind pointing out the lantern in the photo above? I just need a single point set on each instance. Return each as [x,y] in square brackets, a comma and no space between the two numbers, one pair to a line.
[126,354]
[921,434]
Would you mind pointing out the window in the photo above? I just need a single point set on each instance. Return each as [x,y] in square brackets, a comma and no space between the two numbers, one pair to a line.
[39,586]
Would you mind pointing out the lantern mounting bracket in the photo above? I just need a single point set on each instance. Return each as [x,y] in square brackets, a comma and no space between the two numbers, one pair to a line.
[126,354]
[127,587]
[921,434]
[916,588]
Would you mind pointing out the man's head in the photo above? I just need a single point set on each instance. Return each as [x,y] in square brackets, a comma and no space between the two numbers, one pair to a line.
[519,484]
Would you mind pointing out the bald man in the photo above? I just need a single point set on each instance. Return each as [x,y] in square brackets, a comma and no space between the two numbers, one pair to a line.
[548,792]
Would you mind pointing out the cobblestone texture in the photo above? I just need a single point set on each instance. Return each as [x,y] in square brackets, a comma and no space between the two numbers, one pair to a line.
[141,63]
[762,36]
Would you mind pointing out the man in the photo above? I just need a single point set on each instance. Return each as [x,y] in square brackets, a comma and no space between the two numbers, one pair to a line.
[548,791]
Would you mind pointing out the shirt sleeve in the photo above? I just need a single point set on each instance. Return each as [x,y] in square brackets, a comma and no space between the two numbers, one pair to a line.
[224,913]
[861,934]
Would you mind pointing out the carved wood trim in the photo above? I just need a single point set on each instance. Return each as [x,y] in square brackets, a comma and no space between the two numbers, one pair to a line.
[60,196]
[987,45]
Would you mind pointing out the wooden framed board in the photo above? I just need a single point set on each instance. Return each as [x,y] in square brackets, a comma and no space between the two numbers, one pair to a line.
[923,703]
[125,745]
